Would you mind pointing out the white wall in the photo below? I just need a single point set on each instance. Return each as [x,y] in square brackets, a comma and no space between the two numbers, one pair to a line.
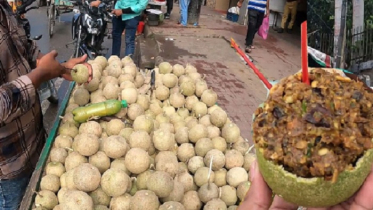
[276,5]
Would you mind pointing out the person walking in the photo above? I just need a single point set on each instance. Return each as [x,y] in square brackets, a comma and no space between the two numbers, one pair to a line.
[289,9]
[170,6]
[127,16]
[184,4]
[23,69]
[257,9]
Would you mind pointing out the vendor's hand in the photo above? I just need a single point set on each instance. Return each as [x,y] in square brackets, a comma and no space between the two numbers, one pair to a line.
[47,68]
[95,3]
[71,63]
[267,12]
[259,196]
[117,12]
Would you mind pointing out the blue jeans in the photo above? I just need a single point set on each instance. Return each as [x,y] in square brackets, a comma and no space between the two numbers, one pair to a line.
[11,192]
[184,4]
[118,27]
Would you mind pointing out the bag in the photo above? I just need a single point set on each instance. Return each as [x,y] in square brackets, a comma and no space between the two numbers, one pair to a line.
[264,28]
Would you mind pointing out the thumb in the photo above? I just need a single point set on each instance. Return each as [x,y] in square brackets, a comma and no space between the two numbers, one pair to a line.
[259,196]
[362,199]
[80,59]
[53,53]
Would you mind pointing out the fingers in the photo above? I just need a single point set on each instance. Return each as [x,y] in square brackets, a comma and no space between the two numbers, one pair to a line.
[53,53]
[279,204]
[259,196]
[90,71]
[82,59]
[363,199]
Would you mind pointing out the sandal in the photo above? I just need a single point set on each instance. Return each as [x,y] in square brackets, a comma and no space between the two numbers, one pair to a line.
[248,49]
[252,47]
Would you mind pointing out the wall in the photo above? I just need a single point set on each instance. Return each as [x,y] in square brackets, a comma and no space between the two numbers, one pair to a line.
[219,5]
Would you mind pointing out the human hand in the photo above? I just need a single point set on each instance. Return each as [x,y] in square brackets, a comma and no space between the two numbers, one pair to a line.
[47,68]
[95,3]
[259,196]
[267,12]
[73,62]
[117,12]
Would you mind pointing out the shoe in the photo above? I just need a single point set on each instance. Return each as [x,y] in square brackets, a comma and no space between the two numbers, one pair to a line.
[289,30]
[280,30]
[167,16]
[248,49]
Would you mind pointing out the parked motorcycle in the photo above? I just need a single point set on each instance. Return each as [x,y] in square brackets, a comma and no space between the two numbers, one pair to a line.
[89,28]
[47,90]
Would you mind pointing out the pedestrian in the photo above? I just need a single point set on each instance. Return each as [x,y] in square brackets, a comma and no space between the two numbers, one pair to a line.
[127,16]
[259,195]
[289,9]
[23,68]
[184,4]
[257,10]
[170,6]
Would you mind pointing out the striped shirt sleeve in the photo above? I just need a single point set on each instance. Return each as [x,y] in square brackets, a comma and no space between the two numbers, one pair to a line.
[16,98]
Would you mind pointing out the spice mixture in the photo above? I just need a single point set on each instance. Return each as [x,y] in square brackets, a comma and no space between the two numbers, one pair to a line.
[318,130]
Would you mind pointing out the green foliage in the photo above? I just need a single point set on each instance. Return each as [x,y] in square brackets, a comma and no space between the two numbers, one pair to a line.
[320,15]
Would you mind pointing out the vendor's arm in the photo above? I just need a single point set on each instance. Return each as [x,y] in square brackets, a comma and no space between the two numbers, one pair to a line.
[267,9]
[16,98]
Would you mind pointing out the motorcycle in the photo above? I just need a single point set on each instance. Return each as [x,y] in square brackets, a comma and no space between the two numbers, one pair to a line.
[89,28]
[47,90]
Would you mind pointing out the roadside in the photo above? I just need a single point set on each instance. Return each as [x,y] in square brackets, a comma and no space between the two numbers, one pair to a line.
[239,89]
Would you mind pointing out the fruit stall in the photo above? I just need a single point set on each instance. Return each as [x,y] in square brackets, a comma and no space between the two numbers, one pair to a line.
[135,139]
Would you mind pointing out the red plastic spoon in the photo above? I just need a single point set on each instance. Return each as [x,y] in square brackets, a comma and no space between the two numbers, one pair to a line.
[304,53]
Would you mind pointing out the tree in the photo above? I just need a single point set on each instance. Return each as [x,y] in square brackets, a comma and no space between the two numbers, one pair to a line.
[320,14]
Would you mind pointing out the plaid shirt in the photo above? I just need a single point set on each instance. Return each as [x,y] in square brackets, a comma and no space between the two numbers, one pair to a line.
[22,135]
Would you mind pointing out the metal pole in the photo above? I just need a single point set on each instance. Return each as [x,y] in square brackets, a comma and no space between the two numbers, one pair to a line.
[337,28]
[342,32]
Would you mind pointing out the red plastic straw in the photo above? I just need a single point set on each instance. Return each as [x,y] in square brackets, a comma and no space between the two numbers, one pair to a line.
[256,71]
[304,53]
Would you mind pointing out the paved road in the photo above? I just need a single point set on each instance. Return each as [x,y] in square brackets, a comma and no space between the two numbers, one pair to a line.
[62,36]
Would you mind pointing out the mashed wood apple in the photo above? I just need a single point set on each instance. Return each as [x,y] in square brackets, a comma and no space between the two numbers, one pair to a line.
[318,130]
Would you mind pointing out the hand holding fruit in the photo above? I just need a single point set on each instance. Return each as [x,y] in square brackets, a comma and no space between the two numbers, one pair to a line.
[259,196]
[76,69]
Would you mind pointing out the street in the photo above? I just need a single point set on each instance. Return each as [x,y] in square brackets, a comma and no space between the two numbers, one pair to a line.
[239,89]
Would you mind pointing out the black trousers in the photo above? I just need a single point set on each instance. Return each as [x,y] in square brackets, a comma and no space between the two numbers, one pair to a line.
[255,19]
[170,5]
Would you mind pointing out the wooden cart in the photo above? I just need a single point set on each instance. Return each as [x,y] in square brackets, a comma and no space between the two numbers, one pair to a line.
[28,199]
